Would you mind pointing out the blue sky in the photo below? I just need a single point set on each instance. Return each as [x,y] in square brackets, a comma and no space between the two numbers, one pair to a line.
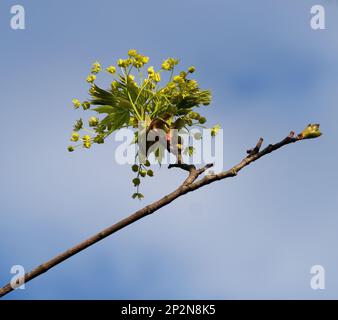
[252,237]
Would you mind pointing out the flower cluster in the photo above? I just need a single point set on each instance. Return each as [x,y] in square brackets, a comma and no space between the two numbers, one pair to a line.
[142,171]
[160,98]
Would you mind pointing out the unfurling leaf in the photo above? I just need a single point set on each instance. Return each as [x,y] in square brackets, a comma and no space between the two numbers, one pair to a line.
[310,132]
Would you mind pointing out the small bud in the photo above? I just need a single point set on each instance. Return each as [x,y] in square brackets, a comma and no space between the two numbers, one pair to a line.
[91,78]
[78,125]
[86,138]
[135,168]
[202,120]
[137,195]
[147,163]
[75,137]
[99,139]
[93,121]
[131,78]
[195,115]
[310,132]
[166,65]
[151,71]
[76,103]
[92,90]
[157,77]
[179,123]
[132,53]
[215,129]
[192,69]
[136,182]
[143,173]
[177,79]
[120,62]
[150,173]
[111,69]
[96,67]
[87,144]
[114,85]
[85,105]
[86,141]
[70,148]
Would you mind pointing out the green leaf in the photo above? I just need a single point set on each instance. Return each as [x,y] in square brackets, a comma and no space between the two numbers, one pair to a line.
[104,109]
[116,119]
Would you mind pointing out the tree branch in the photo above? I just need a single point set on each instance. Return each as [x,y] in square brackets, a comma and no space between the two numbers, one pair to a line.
[190,184]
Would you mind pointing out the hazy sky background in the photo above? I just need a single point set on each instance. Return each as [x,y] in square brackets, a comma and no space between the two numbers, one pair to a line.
[254,236]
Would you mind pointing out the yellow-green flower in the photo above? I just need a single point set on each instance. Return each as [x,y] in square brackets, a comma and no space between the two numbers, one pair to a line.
[91,78]
[131,78]
[132,53]
[124,63]
[145,59]
[157,77]
[75,137]
[111,69]
[114,84]
[87,144]
[86,141]
[177,79]
[166,65]
[96,67]
[86,137]
[76,103]
[120,62]
[169,64]
[151,71]
[171,85]
[93,121]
